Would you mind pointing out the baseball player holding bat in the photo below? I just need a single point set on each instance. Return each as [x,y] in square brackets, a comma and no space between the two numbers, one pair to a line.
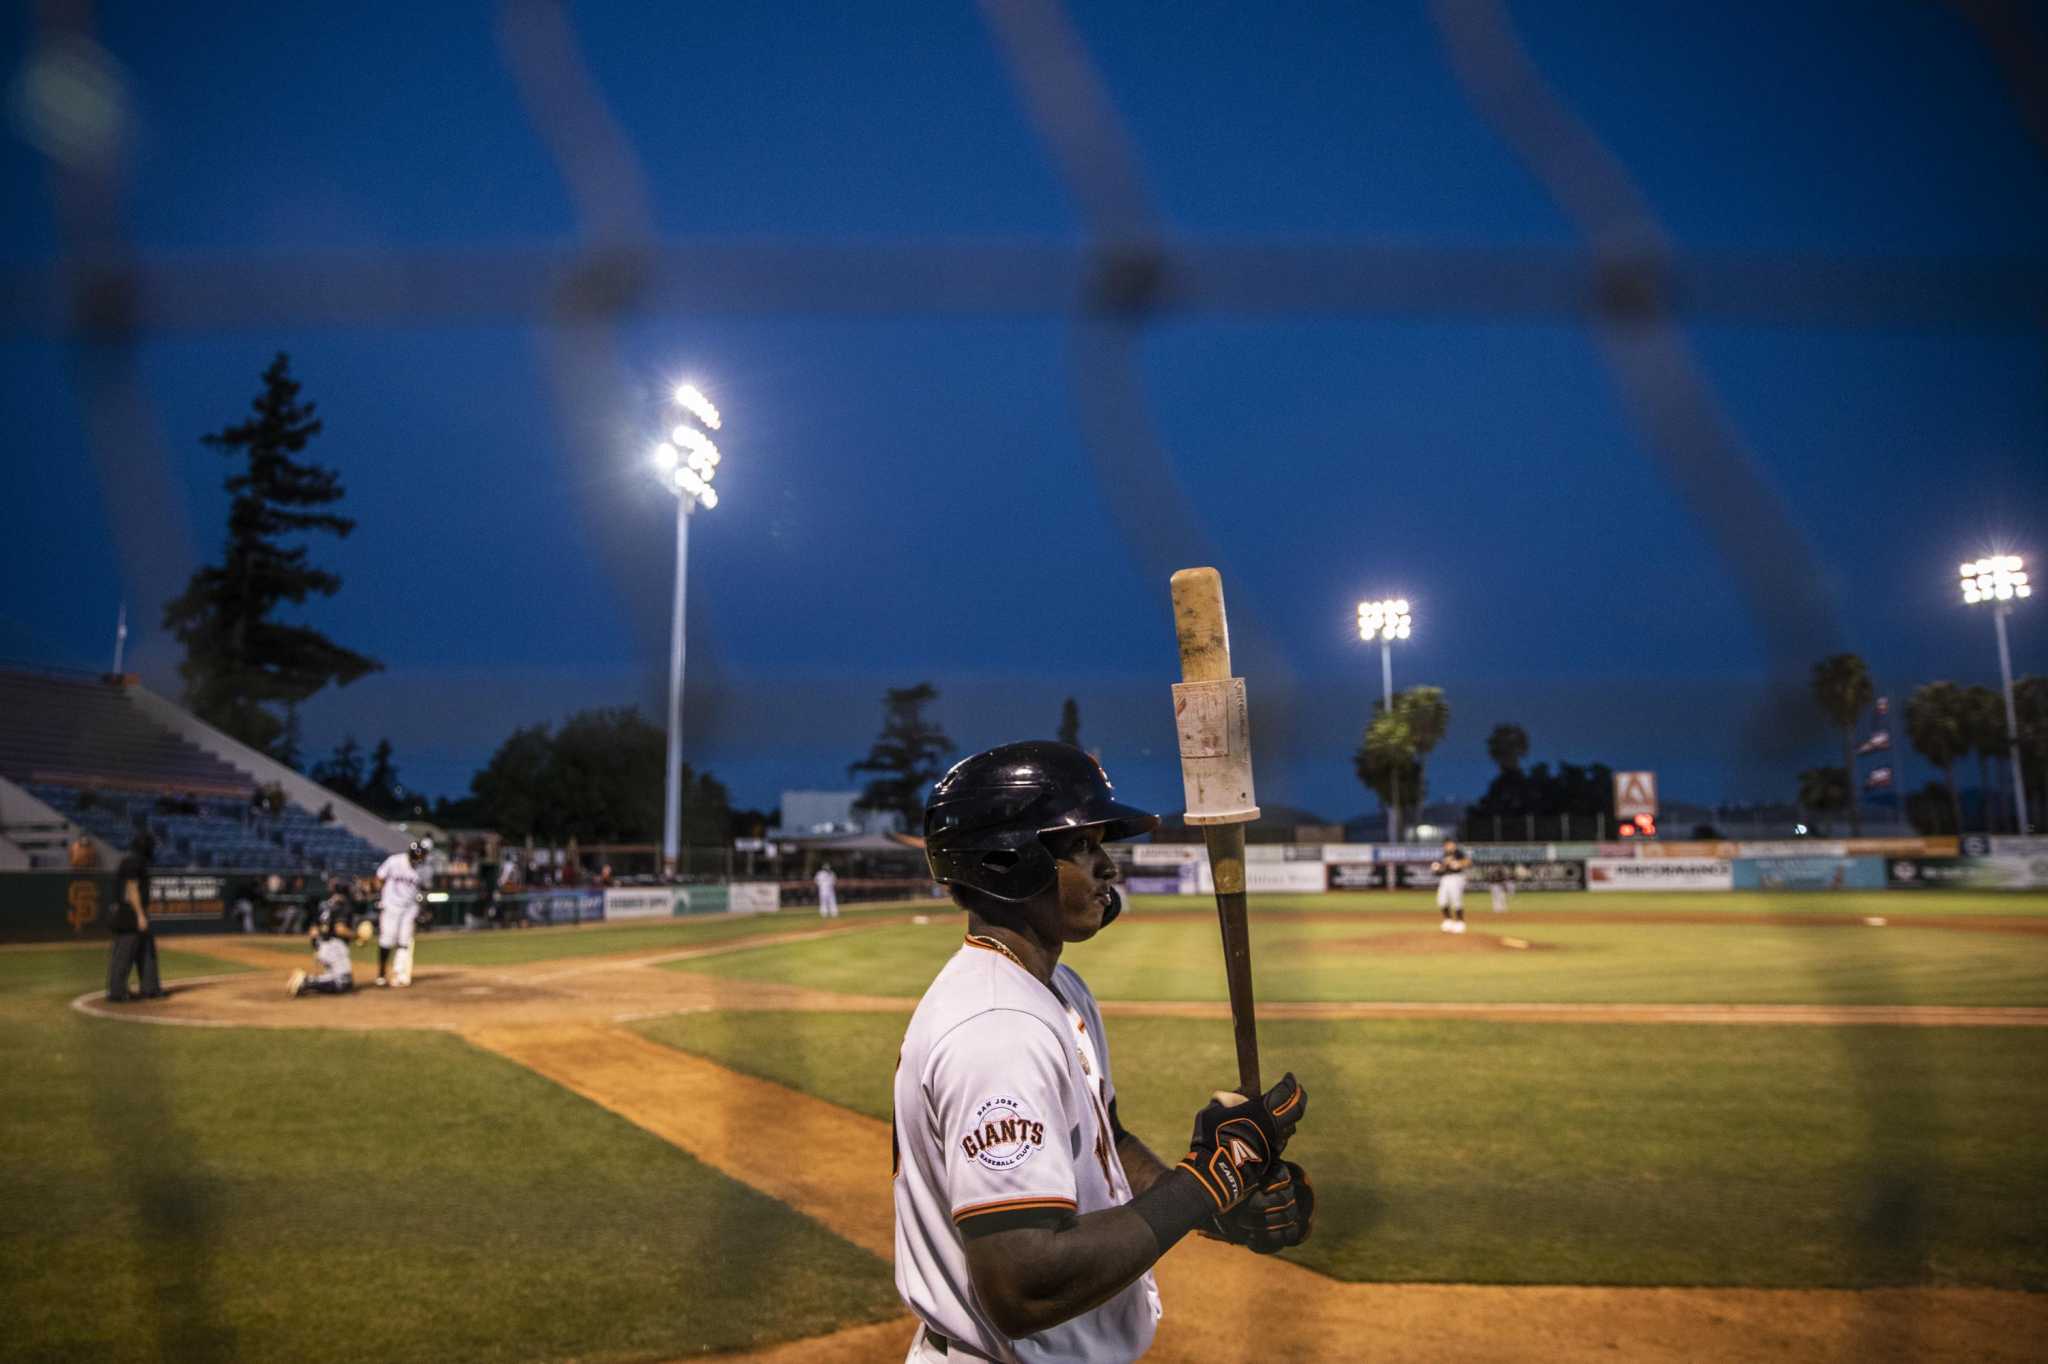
[1027,1218]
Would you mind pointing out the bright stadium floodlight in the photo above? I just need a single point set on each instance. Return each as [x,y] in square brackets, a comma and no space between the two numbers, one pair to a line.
[1386,621]
[688,462]
[2001,580]
[692,401]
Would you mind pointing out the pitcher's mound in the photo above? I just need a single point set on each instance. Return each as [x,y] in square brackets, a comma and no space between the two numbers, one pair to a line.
[1435,941]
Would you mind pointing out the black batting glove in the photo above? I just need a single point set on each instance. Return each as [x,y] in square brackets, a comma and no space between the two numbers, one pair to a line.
[1273,1217]
[1236,1144]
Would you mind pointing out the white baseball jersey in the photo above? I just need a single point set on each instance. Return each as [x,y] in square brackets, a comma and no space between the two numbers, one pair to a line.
[1002,1106]
[403,882]
[332,954]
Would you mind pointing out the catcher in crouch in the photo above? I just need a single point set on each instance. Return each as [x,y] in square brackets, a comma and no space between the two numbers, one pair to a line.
[330,939]
[1027,1219]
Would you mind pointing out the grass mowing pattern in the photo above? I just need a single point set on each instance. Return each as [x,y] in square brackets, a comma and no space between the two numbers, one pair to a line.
[1303,959]
[1520,1153]
[283,1195]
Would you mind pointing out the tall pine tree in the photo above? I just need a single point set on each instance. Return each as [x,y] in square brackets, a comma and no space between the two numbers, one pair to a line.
[906,757]
[244,671]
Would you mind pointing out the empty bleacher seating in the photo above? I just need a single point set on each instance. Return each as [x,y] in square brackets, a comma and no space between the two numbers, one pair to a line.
[79,745]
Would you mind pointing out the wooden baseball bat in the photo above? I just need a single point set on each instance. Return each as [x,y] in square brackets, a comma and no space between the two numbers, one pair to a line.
[1204,634]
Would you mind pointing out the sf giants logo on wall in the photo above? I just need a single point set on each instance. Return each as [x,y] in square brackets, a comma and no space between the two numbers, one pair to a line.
[1004,1134]
[84,899]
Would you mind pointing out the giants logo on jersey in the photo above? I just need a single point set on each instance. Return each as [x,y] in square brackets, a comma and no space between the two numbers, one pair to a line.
[1004,1134]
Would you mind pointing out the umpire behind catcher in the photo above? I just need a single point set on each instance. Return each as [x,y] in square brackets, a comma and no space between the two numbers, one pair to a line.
[1027,1218]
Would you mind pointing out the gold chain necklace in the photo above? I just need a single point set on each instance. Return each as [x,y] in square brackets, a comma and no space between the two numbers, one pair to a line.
[996,945]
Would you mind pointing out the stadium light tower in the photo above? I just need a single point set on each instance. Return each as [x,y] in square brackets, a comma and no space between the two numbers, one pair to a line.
[1386,621]
[687,462]
[2000,581]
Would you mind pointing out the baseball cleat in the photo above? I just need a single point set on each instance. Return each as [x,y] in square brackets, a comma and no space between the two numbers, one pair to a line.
[381,981]
[1445,925]
[295,984]
[1457,925]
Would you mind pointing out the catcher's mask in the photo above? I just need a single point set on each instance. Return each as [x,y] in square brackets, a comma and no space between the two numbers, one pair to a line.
[985,823]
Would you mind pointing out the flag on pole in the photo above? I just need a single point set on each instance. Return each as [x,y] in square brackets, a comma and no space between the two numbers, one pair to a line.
[1879,779]
[1878,742]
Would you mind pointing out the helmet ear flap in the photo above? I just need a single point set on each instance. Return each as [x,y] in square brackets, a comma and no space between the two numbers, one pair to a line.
[1014,874]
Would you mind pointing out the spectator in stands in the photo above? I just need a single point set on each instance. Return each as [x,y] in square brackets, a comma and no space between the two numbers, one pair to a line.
[134,940]
[327,813]
[84,856]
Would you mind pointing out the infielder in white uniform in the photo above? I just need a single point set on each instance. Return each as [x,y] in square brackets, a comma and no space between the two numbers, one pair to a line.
[1027,1218]
[828,892]
[401,884]
[1450,872]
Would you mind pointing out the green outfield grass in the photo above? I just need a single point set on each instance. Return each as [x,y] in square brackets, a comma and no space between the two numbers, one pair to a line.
[1846,903]
[172,1193]
[1318,957]
[1504,1153]
[510,947]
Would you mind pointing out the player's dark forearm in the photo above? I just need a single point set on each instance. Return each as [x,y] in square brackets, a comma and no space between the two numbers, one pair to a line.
[1034,1278]
[1040,1278]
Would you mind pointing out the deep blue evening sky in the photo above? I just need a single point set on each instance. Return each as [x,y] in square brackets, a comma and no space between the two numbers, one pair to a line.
[912,500]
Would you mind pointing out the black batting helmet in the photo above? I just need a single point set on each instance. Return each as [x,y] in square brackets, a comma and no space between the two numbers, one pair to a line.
[984,823]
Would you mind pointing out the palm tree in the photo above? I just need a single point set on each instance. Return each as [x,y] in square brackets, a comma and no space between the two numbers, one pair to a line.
[1507,746]
[1841,685]
[1428,716]
[1934,723]
[1984,731]
[1823,789]
[1386,763]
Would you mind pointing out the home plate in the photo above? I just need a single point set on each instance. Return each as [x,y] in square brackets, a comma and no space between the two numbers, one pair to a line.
[1514,942]
[1874,920]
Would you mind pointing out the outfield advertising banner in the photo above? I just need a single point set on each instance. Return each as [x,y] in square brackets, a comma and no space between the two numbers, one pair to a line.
[1510,852]
[2016,873]
[1356,876]
[1927,873]
[1585,852]
[1711,850]
[1264,878]
[754,897]
[1167,854]
[1615,873]
[639,902]
[2010,845]
[1937,845]
[702,900]
[565,906]
[1810,873]
[1972,873]
[1522,876]
[1154,885]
